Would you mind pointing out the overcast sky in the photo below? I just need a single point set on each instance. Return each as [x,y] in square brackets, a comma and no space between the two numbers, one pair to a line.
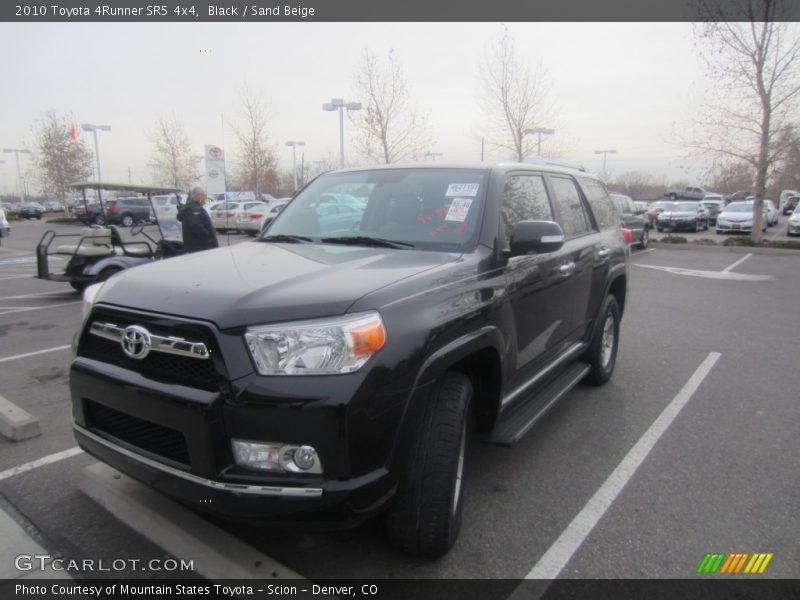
[627,87]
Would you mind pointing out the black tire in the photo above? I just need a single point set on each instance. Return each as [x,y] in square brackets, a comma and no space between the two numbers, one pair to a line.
[425,516]
[659,229]
[251,233]
[696,226]
[602,352]
[127,220]
[705,226]
[673,197]
[645,239]
[79,286]
[98,220]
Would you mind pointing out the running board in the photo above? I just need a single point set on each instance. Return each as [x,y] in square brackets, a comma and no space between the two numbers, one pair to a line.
[519,420]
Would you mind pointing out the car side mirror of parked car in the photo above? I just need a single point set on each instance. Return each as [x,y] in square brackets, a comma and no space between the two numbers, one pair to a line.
[536,236]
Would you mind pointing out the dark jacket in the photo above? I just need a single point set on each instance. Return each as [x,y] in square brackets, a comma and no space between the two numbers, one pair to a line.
[198,231]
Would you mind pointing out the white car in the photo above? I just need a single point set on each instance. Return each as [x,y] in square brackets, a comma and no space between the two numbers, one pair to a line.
[5,229]
[252,221]
[224,214]
[793,228]
[737,217]
[771,213]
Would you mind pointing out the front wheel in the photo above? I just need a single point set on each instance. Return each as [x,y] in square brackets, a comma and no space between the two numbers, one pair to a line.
[127,220]
[425,516]
[645,239]
[98,220]
[602,352]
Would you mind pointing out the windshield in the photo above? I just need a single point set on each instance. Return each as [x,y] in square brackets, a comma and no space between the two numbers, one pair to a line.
[739,208]
[684,207]
[437,209]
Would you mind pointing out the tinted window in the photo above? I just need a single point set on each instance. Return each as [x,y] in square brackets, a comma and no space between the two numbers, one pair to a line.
[600,204]
[574,220]
[524,199]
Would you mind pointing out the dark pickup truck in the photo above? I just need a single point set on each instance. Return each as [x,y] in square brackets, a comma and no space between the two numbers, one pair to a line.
[331,369]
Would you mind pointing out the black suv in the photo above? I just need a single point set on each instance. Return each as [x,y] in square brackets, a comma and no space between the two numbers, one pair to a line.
[127,211]
[332,369]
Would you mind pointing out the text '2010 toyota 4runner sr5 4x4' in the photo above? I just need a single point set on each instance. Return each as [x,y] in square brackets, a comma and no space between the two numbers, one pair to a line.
[331,369]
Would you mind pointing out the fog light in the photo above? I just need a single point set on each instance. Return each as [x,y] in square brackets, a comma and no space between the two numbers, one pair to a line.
[276,457]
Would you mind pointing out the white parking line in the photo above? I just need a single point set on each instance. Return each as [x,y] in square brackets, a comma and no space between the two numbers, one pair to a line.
[37,294]
[8,310]
[737,263]
[56,349]
[559,554]
[40,462]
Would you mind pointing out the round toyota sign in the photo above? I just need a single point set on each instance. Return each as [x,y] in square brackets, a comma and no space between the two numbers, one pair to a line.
[135,342]
[215,153]
[213,173]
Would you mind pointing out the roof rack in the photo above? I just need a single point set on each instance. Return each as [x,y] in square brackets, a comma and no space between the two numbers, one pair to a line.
[538,160]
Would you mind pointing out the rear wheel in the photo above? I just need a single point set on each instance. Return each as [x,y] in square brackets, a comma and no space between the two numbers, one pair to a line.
[127,220]
[645,239]
[425,516]
[602,352]
[98,220]
[106,273]
[79,286]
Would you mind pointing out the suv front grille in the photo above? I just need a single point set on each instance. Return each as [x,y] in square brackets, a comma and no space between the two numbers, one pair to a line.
[157,366]
[156,439]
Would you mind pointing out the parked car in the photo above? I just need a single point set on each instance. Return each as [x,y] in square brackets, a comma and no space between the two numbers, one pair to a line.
[791,204]
[89,214]
[793,228]
[129,210]
[687,193]
[30,210]
[5,228]
[224,214]
[714,204]
[53,206]
[637,223]
[333,377]
[783,199]
[689,216]
[249,220]
[655,209]
[737,217]
[771,214]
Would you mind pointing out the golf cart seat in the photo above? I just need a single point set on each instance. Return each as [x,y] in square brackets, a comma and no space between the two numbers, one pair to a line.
[94,241]
[135,249]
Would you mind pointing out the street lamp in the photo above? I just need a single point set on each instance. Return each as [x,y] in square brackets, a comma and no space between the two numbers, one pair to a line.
[433,155]
[94,129]
[539,131]
[294,161]
[18,151]
[605,154]
[340,105]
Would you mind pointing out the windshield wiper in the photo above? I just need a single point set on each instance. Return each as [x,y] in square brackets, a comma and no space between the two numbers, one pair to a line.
[295,239]
[363,240]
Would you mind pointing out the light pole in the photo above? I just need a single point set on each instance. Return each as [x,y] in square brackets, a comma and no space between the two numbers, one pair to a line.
[539,131]
[605,154]
[18,151]
[433,155]
[340,105]
[94,129]
[294,162]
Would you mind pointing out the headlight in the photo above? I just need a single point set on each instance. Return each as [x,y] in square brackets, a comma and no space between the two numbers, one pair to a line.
[319,347]
[89,298]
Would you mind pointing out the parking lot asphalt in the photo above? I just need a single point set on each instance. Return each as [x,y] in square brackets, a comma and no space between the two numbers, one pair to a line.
[721,476]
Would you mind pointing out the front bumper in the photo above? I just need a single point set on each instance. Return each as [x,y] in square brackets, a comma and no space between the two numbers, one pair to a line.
[793,229]
[676,225]
[727,226]
[177,438]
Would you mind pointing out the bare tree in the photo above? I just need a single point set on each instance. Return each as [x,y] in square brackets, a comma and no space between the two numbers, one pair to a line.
[391,127]
[257,168]
[787,171]
[59,157]
[754,62]
[515,98]
[727,177]
[175,165]
[639,185]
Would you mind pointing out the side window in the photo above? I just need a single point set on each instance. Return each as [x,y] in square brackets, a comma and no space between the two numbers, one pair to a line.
[524,199]
[600,204]
[574,220]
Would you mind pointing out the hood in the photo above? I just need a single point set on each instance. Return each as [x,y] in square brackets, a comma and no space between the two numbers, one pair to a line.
[678,213]
[255,282]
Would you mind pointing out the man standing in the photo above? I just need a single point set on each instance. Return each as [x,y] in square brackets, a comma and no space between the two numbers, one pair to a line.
[198,231]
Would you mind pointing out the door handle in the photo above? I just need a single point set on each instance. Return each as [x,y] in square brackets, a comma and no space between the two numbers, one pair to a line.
[567,269]
[604,253]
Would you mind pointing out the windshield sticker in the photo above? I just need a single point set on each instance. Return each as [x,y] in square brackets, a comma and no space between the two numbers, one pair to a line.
[458,209]
[462,189]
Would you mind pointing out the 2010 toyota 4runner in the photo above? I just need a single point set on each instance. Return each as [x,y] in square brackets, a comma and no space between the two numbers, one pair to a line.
[332,368]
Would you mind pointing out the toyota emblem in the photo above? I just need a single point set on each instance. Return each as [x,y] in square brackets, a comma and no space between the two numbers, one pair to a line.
[135,342]
[215,153]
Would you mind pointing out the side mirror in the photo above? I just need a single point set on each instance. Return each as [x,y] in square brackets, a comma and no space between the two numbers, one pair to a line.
[536,236]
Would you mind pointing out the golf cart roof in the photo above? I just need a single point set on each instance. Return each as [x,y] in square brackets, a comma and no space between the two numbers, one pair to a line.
[122,187]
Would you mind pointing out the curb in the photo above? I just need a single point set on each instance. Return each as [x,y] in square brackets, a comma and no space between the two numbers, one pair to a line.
[731,249]
[16,423]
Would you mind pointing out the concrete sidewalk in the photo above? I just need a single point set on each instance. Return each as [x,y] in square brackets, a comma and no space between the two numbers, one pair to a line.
[18,542]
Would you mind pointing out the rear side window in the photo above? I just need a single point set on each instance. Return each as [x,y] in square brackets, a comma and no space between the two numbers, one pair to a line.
[573,217]
[600,204]
[524,199]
